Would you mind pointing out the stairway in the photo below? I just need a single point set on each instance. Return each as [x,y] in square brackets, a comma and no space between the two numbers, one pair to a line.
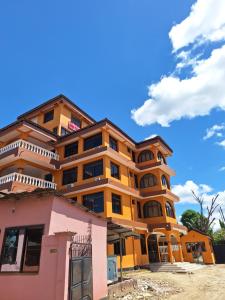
[178,267]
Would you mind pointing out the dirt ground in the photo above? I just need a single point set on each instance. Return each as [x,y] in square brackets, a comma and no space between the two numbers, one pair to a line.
[205,284]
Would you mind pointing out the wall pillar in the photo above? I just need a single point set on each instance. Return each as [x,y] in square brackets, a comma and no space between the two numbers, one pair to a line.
[180,252]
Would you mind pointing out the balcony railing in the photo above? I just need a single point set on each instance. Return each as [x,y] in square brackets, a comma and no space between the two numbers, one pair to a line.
[29,180]
[31,147]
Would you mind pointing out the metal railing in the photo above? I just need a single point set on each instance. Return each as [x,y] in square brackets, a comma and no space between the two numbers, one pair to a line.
[31,147]
[25,179]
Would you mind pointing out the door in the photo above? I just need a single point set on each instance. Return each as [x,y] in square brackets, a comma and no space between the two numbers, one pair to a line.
[153,252]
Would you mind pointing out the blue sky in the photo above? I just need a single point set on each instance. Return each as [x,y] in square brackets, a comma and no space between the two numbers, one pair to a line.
[104,55]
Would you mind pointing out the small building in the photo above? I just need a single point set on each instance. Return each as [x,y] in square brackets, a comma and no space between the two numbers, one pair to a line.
[51,248]
[197,247]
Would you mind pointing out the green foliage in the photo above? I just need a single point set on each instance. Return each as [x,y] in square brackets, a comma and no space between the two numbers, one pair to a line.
[222,224]
[190,218]
[219,236]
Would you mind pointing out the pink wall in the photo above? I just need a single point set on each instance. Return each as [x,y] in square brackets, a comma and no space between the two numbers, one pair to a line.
[60,219]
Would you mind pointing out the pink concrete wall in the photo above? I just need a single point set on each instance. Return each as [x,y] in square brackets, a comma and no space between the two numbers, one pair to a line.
[59,218]
[63,219]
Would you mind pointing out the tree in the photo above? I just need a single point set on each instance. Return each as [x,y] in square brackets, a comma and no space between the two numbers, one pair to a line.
[191,219]
[222,220]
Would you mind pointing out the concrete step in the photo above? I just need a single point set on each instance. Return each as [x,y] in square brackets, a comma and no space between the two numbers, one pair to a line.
[175,267]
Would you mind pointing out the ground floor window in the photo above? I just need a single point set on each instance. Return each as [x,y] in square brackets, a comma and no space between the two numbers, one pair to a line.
[21,249]
[117,247]
[94,202]
[143,244]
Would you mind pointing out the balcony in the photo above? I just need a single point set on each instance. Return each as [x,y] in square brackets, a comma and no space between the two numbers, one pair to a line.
[21,149]
[16,182]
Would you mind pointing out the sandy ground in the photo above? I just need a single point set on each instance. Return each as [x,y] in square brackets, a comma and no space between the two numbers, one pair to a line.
[205,284]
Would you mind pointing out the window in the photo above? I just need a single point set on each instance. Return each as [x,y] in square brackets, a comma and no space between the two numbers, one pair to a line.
[69,176]
[48,116]
[55,130]
[115,170]
[139,209]
[49,177]
[195,247]
[169,210]
[152,209]
[117,247]
[116,204]
[21,249]
[148,180]
[94,202]
[64,131]
[113,143]
[76,121]
[145,156]
[161,157]
[128,150]
[133,156]
[165,181]
[93,141]
[71,149]
[135,181]
[93,169]
[143,244]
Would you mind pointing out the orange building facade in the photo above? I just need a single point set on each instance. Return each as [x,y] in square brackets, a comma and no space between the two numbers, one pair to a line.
[58,146]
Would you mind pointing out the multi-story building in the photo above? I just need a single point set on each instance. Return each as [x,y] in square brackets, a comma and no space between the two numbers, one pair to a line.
[58,146]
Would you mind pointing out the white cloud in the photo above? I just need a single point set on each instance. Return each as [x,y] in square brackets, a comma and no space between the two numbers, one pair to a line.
[215,130]
[173,98]
[222,169]
[222,144]
[206,22]
[151,136]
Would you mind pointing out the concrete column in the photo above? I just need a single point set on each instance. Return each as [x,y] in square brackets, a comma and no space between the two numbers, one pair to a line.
[170,252]
[180,252]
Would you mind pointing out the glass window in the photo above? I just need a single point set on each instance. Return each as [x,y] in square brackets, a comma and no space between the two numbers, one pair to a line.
[93,141]
[64,131]
[161,157]
[165,181]
[133,156]
[139,209]
[49,177]
[48,116]
[135,181]
[145,156]
[115,170]
[21,249]
[113,143]
[94,202]
[117,247]
[93,169]
[152,209]
[143,244]
[169,210]
[71,149]
[69,176]
[148,180]
[116,204]
[76,121]
[55,130]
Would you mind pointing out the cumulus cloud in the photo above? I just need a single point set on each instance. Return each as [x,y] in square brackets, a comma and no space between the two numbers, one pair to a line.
[206,22]
[222,144]
[173,97]
[215,130]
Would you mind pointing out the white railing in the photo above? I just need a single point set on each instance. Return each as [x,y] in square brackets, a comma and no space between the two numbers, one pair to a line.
[25,179]
[31,147]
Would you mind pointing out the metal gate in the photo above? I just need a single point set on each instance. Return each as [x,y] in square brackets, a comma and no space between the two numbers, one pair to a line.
[81,281]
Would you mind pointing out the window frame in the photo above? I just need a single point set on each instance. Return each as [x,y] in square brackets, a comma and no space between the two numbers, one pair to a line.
[114,174]
[115,200]
[113,143]
[95,167]
[24,246]
[145,181]
[99,143]
[153,206]
[169,210]
[139,213]
[46,117]
[77,120]
[143,244]
[144,156]
[116,247]
[63,174]
[70,145]
[94,194]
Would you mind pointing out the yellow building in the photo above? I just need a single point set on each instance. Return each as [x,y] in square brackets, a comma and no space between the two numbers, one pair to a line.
[57,145]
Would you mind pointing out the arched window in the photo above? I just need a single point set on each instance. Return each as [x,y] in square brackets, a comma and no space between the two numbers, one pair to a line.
[152,209]
[148,180]
[161,157]
[165,181]
[145,156]
[169,210]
